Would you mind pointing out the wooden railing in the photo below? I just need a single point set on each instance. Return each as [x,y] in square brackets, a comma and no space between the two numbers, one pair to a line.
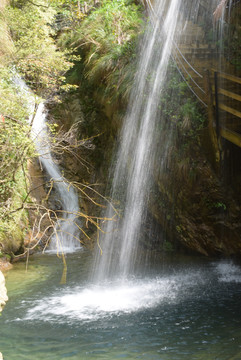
[229,122]
[221,98]
[201,83]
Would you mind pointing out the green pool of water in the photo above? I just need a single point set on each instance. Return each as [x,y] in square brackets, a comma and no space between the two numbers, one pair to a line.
[184,309]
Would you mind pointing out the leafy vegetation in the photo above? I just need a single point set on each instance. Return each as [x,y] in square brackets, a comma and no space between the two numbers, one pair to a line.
[35,54]
[187,115]
[184,121]
[33,44]
[106,39]
[27,47]
[16,148]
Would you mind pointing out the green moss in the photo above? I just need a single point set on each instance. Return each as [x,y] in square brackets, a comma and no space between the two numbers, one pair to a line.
[168,246]
[16,148]
[14,221]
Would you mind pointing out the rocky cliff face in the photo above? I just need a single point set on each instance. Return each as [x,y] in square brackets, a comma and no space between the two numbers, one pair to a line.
[196,209]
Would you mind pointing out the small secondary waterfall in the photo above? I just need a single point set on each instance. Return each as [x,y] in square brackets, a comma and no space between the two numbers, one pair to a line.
[135,160]
[66,229]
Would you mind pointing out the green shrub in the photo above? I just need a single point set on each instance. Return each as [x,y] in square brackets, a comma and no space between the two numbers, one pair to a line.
[106,39]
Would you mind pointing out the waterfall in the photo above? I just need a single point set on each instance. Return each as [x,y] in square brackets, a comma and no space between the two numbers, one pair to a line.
[66,229]
[135,159]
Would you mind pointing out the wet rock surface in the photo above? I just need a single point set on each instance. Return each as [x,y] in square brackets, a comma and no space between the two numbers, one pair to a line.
[201,213]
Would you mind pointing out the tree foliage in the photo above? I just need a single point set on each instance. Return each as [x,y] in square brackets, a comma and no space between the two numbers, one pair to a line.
[27,47]
[106,39]
[35,54]
[16,148]
[33,40]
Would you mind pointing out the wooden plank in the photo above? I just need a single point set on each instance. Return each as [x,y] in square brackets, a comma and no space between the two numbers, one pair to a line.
[232,126]
[229,94]
[230,110]
[228,76]
[217,103]
[231,136]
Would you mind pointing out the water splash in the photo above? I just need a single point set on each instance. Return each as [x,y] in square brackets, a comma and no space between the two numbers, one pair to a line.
[113,298]
[228,272]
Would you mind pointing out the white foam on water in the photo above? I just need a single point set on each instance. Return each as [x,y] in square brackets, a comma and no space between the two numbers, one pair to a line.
[64,249]
[228,272]
[113,298]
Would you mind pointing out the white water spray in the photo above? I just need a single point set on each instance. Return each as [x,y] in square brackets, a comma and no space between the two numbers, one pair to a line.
[115,298]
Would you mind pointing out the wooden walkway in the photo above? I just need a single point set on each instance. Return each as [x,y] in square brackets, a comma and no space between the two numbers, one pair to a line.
[227,90]
[218,90]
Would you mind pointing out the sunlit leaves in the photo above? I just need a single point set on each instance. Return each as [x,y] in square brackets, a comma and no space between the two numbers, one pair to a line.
[36,55]
[107,38]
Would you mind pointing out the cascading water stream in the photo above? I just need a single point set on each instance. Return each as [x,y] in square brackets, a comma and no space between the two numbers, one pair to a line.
[135,158]
[66,229]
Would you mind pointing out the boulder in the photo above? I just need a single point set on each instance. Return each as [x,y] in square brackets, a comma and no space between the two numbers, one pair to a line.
[3,293]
